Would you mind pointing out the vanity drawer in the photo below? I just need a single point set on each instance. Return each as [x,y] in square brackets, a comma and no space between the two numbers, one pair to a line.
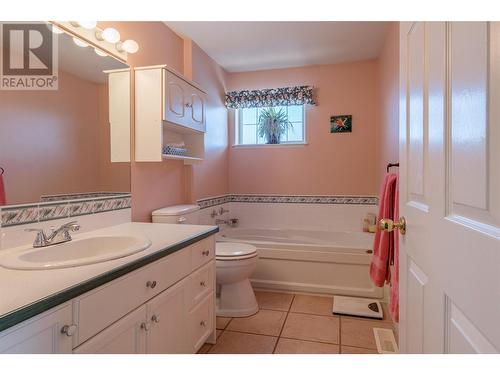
[201,322]
[101,307]
[202,252]
[201,283]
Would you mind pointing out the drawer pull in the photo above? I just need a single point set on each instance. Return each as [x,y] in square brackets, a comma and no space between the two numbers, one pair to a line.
[145,326]
[206,253]
[155,318]
[202,283]
[203,323]
[68,330]
[151,284]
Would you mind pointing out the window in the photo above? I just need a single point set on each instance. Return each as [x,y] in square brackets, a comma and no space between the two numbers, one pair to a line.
[248,125]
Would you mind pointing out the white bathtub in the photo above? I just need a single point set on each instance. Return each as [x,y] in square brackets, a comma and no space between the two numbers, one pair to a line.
[310,260]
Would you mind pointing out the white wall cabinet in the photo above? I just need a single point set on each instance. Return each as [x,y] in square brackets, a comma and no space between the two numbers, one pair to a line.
[48,333]
[119,114]
[168,109]
[165,307]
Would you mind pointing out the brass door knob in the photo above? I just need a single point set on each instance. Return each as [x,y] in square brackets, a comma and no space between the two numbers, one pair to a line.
[388,225]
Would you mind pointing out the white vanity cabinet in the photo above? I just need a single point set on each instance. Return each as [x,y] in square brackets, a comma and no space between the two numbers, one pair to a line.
[48,333]
[167,306]
[169,109]
[126,336]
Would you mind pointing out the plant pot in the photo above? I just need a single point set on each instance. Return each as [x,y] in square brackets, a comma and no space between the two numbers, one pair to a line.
[273,139]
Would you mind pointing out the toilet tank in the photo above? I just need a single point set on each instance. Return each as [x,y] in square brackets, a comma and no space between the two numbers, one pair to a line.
[180,214]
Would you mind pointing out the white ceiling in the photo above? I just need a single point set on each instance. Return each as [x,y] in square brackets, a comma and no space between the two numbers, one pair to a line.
[247,46]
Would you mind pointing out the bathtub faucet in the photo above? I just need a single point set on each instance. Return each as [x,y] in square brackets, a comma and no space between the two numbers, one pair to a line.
[229,222]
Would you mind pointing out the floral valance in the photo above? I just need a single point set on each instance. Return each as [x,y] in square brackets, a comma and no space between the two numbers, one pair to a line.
[270,97]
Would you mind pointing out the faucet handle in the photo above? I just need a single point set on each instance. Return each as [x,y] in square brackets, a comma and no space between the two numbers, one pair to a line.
[34,230]
[72,225]
[222,210]
[40,239]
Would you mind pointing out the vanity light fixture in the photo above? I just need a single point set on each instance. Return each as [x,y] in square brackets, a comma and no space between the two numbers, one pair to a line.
[80,43]
[100,53]
[56,30]
[109,34]
[106,42]
[89,25]
[129,46]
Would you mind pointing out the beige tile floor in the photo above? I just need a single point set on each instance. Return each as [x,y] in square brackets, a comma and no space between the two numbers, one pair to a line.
[295,324]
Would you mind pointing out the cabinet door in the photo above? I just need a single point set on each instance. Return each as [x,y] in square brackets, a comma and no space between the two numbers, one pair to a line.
[175,99]
[126,336]
[40,335]
[166,313]
[119,115]
[196,110]
[201,322]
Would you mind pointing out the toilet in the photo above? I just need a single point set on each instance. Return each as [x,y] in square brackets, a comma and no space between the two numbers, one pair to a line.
[234,262]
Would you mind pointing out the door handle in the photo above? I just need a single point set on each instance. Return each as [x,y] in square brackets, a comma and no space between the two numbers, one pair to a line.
[388,225]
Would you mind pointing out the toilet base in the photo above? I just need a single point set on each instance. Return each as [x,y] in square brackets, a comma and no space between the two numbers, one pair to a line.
[237,300]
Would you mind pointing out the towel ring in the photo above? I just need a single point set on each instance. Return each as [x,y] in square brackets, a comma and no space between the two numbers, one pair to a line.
[1,171]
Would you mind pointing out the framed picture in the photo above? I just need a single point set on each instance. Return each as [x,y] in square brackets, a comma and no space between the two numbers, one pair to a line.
[341,124]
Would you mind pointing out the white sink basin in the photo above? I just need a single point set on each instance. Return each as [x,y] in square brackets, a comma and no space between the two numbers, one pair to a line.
[77,252]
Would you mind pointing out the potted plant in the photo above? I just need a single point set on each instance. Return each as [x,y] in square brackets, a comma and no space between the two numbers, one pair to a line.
[273,124]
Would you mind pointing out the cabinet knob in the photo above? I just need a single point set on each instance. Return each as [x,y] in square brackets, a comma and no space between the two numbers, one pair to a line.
[206,253]
[151,284]
[155,318]
[145,326]
[188,105]
[203,323]
[68,330]
[202,283]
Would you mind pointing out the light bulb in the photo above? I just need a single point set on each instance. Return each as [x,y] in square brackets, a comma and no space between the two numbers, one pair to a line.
[80,43]
[89,25]
[56,30]
[129,46]
[110,35]
[100,53]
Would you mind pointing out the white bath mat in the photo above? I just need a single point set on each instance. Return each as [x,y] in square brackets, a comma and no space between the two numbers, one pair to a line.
[365,307]
[385,340]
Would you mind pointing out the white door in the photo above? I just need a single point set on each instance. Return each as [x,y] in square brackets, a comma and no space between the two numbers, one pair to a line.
[126,336]
[450,187]
[49,333]
[167,316]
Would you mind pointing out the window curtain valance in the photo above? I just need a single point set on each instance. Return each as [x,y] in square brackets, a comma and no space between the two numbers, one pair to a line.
[296,95]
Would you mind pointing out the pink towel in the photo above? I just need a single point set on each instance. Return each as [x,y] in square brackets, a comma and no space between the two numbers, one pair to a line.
[2,191]
[394,299]
[383,243]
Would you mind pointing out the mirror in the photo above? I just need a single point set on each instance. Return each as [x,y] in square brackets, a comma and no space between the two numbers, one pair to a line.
[59,142]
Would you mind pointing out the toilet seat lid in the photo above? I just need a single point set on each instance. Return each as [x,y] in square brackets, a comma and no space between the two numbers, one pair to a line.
[234,249]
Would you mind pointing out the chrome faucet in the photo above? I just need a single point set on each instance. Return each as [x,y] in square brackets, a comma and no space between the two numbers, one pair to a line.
[230,222]
[58,235]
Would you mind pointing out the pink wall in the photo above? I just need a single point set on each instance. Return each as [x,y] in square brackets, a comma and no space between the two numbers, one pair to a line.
[155,185]
[329,163]
[388,75]
[210,178]
[48,141]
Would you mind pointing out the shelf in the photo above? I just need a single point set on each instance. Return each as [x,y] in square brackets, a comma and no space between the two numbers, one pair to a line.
[186,159]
